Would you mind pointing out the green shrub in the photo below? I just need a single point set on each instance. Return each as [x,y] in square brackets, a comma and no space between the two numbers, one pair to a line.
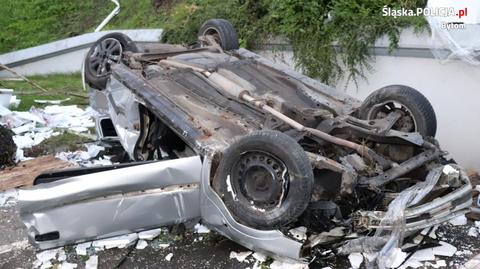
[316,29]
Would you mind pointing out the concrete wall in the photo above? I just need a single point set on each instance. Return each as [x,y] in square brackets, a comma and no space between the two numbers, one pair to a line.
[66,55]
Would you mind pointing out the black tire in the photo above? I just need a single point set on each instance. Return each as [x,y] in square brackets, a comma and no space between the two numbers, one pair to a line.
[411,100]
[223,31]
[287,176]
[97,57]
[7,148]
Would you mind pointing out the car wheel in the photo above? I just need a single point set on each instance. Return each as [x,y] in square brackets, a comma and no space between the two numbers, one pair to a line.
[223,32]
[265,179]
[7,148]
[103,53]
[417,112]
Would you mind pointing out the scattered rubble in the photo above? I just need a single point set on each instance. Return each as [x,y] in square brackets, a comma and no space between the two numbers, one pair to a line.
[141,244]
[169,257]
[460,220]
[356,260]
[92,262]
[240,256]
[199,228]
[33,126]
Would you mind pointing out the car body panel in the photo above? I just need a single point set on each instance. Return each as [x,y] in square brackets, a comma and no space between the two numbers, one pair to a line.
[112,202]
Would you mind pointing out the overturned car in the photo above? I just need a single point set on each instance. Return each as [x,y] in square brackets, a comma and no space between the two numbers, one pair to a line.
[266,156]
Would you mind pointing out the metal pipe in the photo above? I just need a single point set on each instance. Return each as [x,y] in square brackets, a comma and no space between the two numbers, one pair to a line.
[109,17]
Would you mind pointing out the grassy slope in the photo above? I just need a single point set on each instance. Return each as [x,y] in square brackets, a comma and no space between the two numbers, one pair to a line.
[28,23]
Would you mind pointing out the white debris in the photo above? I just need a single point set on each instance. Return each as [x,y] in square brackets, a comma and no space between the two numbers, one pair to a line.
[67,110]
[429,254]
[417,239]
[141,244]
[445,249]
[46,265]
[200,229]
[37,264]
[449,170]
[259,256]
[326,236]
[277,264]
[121,241]
[62,256]
[240,256]
[396,257]
[422,255]
[465,252]
[458,221]
[52,102]
[93,150]
[8,197]
[432,234]
[473,232]
[300,233]
[92,262]
[67,265]
[33,126]
[169,256]
[14,102]
[81,249]
[438,264]
[47,255]
[5,96]
[356,259]
[4,111]
[163,245]
[82,158]
[477,224]
[150,234]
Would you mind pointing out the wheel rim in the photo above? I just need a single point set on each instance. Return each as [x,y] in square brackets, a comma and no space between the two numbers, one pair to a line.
[107,52]
[406,123]
[213,32]
[260,180]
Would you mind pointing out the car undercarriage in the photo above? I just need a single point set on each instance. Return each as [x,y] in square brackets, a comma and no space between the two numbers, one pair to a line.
[262,154]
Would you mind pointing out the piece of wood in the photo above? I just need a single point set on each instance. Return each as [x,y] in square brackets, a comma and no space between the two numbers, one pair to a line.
[24,173]
[22,77]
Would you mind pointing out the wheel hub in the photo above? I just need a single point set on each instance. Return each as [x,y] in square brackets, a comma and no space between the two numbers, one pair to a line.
[261,179]
[405,123]
[108,51]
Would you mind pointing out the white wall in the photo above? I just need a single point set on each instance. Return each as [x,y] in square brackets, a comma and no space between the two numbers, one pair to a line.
[63,63]
[453,88]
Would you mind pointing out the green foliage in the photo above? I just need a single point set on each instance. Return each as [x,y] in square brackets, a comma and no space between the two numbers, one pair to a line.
[329,38]
[26,23]
[185,19]
[324,34]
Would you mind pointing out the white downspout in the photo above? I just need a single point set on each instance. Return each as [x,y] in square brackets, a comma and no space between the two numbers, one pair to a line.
[110,16]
